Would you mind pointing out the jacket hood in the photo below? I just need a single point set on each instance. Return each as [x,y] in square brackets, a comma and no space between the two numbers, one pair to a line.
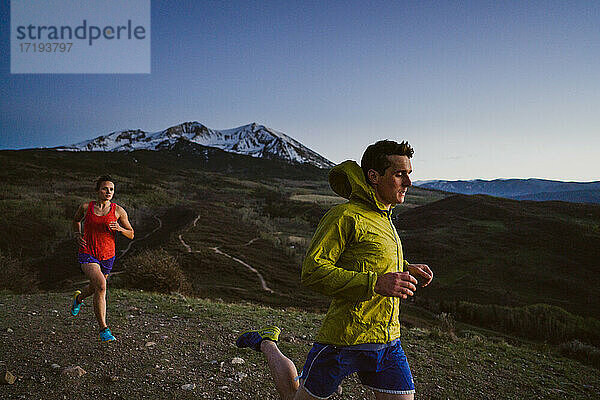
[348,180]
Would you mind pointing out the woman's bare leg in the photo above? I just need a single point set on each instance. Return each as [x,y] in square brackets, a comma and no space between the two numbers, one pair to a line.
[97,286]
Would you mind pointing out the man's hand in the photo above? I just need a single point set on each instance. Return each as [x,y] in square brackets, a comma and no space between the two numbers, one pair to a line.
[396,284]
[421,271]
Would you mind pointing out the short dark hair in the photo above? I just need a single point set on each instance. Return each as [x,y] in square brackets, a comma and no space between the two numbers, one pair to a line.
[375,156]
[103,178]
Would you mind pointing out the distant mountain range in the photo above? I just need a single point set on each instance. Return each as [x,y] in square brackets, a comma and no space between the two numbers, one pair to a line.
[253,139]
[521,189]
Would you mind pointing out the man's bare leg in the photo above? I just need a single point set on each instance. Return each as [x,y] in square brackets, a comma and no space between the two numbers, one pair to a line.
[282,369]
[284,373]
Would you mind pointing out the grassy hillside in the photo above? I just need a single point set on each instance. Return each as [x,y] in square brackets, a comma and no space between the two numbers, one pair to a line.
[489,250]
[225,225]
[165,342]
[232,198]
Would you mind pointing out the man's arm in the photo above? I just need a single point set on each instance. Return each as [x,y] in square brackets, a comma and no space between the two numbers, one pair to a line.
[319,269]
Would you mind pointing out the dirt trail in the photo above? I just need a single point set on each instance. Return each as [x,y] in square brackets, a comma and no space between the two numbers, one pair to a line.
[160,224]
[263,283]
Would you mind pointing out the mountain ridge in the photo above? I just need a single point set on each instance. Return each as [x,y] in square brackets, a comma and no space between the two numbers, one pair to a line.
[253,139]
[521,189]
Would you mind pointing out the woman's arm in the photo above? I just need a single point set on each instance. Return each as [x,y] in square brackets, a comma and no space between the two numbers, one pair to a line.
[76,224]
[122,223]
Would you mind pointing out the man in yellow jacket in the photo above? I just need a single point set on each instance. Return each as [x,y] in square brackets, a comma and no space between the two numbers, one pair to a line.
[355,257]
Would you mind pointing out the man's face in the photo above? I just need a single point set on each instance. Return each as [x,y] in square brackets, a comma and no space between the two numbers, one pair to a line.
[390,188]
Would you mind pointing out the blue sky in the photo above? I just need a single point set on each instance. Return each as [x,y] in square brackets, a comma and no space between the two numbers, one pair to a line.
[480,89]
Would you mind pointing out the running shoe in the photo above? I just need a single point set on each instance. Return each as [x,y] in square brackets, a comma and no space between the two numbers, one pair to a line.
[252,339]
[107,336]
[76,306]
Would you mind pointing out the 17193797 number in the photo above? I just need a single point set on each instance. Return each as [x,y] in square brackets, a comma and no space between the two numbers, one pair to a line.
[55,47]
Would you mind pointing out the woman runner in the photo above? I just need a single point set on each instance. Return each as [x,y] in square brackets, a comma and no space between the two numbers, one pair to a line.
[102,220]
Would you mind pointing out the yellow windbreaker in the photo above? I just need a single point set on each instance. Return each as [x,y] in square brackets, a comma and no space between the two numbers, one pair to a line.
[353,244]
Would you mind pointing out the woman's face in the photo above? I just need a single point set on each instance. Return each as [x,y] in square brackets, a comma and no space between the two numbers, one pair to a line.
[106,191]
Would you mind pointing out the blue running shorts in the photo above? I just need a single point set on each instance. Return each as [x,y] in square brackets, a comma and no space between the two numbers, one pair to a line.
[385,370]
[105,265]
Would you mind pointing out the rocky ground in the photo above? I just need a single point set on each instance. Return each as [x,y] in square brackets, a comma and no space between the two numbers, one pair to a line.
[170,347]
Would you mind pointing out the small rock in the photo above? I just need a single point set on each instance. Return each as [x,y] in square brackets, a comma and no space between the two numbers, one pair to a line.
[189,386]
[55,366]
[150,344]
[74,372]
[7,378]
[239,376]
[180,296]
[237,360]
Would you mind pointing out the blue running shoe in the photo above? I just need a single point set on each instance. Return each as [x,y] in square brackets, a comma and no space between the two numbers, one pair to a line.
[107,336]
[252,339]
[76,306]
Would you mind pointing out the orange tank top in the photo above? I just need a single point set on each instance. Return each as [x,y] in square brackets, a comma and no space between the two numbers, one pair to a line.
[99,238]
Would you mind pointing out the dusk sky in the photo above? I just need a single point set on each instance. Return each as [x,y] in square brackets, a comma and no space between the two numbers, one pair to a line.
[480,89]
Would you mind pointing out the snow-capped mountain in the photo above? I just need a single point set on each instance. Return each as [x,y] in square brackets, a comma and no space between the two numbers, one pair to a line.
[253,139]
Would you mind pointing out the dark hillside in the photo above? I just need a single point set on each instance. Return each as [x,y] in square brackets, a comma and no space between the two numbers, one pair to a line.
[227,221]
[490,250]
[217,214]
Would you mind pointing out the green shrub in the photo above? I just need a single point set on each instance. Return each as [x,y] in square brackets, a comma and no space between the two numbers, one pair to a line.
[446,322]
[580,351]
[445,329]
[15,277]
[157,271]
[539,321]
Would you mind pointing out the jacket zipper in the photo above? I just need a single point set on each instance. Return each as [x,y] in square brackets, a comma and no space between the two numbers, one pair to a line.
[389,217]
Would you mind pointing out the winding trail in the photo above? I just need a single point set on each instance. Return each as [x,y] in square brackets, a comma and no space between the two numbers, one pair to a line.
[263,283]
[160,224]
